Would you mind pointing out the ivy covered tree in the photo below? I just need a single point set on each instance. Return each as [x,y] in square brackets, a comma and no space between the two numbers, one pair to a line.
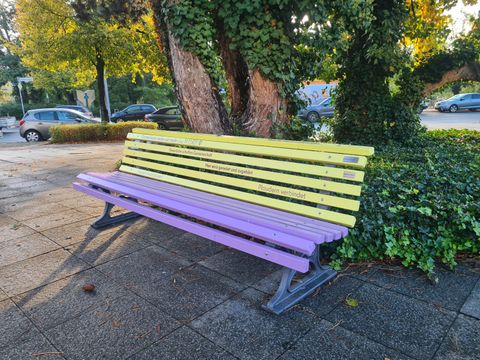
[263,49]
[89,40]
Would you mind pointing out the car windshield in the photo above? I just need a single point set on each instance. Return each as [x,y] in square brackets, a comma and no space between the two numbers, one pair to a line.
[455,97]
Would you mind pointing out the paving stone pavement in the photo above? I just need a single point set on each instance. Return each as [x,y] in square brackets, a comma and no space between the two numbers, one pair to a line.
[161,293]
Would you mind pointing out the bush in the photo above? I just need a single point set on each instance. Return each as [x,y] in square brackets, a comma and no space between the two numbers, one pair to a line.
[96,132]
[420,203]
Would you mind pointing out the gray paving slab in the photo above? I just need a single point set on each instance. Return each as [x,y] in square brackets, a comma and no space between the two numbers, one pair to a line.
[462,341]
[15,326]
[65,299]
[330,341]
[36,210]
[81,231]
[394,320]
[106,247]
[24,248]
[154,231]
[192,247]
[453,288]
[471,306]
[241,267]
[37,271]
[241,327]
[36,347]
[190,292]
[6,220]
[3,295]
[144,267]
[183,344]
[115,330]
[14,230]
[49,221]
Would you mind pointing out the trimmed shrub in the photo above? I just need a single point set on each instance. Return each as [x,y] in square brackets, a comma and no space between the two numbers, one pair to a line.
[96,132]
[420,203]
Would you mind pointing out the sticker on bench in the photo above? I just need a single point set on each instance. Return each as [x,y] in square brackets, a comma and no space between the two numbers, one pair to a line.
[350,159]
[349,175]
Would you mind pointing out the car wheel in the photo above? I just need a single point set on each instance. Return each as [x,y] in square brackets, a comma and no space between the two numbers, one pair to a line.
[32,136]
[162,127]
[119,120]
[313,116]
[453,108]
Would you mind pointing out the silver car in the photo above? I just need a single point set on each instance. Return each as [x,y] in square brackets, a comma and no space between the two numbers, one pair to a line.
[36,124]
[459,102]
[314,112]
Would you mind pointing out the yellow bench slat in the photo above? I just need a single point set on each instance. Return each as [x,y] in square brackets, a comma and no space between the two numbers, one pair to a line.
[299,194]
[318,170]
[327,215]
[326,147]
[250,172]
[305,155]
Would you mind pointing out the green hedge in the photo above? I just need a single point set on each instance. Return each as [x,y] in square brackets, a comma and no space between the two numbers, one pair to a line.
[96,132]
[420,203]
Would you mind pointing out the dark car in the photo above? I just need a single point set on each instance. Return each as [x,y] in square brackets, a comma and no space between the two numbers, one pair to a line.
[133,112]
[314,112]
[167,118]
[78,108]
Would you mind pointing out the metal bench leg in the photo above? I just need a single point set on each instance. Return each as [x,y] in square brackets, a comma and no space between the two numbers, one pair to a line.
[289,294]
[107,220]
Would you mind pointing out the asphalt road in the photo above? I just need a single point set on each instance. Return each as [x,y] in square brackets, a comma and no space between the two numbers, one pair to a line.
[432,119]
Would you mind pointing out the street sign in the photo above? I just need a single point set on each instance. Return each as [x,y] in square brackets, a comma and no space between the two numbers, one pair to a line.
[86,98]
[25,79]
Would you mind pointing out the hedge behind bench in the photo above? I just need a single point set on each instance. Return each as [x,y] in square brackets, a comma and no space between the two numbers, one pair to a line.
[96,132]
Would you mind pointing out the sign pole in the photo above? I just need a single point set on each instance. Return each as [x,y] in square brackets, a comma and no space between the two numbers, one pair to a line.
[21,97]
[107,98]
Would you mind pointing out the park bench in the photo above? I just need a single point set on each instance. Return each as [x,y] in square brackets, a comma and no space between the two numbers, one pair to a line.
[277,200]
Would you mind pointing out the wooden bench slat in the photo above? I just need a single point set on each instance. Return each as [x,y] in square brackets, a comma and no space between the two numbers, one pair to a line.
[265,252]
[300,145]
[304,155]
[283,191]
[295,167]
[324,185]
[315,230]
[317,213]
[209,215]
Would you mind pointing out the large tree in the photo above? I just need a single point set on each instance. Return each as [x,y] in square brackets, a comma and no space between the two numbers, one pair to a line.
[89,39]
[264,50]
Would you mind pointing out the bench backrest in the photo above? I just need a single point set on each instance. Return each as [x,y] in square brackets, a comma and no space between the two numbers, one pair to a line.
[316,180]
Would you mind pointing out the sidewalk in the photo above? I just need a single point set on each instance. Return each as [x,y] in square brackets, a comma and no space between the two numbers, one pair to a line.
[162,293]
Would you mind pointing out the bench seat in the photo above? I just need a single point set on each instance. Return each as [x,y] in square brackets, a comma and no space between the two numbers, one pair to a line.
[273,199]
[292,232]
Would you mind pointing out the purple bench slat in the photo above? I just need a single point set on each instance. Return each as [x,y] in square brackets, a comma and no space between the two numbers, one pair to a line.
[265,252]
[315,230]
[210,215]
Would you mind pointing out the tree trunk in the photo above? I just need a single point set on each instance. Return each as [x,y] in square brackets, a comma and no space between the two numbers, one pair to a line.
[199,99]
[266,108]
[236,73]
[468,72]
[100,67]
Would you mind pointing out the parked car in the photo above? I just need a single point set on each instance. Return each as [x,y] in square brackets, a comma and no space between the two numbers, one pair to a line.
[79,108]
[460,102]
[133,112]
[314,112]
[36,124]
[167,118]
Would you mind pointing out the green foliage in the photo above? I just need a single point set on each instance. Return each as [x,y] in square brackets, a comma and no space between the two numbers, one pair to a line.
[96,132]
[420,203]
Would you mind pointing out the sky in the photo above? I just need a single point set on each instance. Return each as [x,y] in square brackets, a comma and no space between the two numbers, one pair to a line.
[459,16]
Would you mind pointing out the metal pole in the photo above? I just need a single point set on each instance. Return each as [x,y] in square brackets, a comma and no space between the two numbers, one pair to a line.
[107,98]
[21,98]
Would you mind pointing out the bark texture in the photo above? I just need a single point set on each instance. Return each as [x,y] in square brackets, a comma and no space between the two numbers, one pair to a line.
[468,72]
[201,104]
[236,73]
[100,68]
[266,108]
